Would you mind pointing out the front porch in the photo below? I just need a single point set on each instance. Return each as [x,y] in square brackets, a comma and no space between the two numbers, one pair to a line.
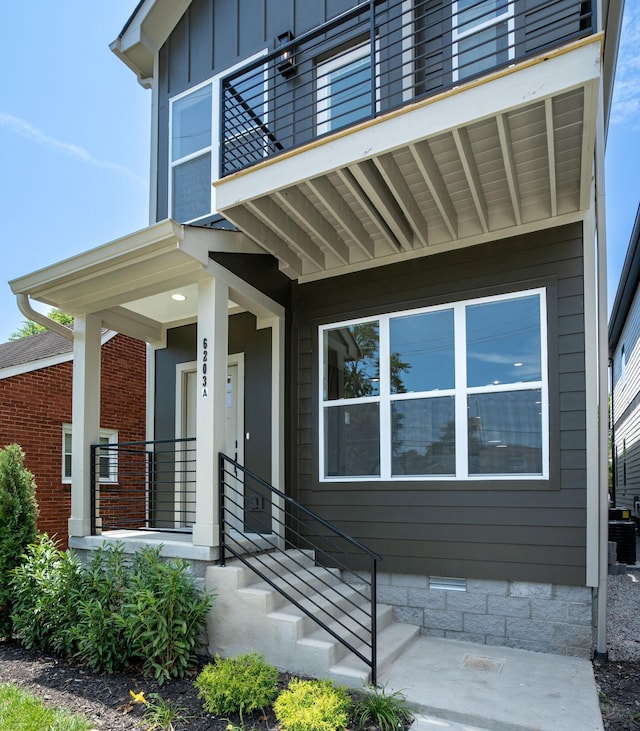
[148,285]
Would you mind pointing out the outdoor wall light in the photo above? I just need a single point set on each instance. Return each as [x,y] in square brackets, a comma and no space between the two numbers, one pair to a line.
[286,63]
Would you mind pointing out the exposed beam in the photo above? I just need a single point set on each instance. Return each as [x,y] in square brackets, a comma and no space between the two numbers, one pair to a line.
[435,182]
[375,187]
[589,117]
[326,192]
[131,323]
[290,264]
[354,187]
[506,146]
[467,158]
[390,172]
[297,239]
[301,208]
[551,154]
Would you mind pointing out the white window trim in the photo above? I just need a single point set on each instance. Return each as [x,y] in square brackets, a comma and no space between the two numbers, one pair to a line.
[457,36]
[112,436]
[460,391]
[324,68]
[214,147]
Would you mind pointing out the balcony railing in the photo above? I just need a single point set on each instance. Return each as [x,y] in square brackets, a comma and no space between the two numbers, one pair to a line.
[377,57]
[143,485]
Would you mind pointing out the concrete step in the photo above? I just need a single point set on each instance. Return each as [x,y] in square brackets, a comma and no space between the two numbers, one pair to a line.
[393,640]
[250,615]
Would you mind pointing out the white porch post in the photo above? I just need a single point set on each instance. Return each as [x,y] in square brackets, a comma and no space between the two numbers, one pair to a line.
[212,351]
[85,429]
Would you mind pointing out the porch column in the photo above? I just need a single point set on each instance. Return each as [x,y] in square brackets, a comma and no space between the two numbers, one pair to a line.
[85,429]
[212,349]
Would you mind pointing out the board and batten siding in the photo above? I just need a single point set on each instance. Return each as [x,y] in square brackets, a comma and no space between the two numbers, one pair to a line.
[214,36]
[626,409]
[522,531]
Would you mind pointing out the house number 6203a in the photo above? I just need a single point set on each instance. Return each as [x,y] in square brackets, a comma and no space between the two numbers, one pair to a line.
[205,358]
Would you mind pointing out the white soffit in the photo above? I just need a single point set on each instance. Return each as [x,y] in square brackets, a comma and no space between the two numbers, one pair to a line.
[137,270]
[503,155]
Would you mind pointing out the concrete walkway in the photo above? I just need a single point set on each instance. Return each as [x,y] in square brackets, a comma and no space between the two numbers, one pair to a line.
[459,686]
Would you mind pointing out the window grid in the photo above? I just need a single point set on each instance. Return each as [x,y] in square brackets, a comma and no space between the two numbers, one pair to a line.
[460,392]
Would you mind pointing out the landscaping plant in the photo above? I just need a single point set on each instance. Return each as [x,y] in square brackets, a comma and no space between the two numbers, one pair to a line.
[44,590]
[312,705]
[114,611]
[388,711]
[18,514]
[242,684]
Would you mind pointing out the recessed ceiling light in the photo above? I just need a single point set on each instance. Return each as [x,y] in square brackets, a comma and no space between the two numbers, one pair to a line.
[517,365]
[177,297]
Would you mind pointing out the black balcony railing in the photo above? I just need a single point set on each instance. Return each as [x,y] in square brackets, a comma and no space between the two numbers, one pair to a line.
[377,57]
[143,485]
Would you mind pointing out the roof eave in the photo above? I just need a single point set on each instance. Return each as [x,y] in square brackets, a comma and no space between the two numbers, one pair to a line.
[629,280]
[145,32]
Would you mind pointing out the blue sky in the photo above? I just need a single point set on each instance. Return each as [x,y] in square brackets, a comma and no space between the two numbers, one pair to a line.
[74,138]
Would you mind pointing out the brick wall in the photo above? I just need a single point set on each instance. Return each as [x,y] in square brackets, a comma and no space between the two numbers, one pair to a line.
[35,405]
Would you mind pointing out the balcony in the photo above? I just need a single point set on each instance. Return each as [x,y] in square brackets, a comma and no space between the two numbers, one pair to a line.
[404,128]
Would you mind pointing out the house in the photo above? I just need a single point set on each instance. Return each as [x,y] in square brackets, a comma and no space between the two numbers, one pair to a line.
[370,291]
[624,363]
[36,375]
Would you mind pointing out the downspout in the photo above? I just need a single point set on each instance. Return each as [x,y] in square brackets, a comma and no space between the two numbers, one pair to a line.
[24,305]
[601,651]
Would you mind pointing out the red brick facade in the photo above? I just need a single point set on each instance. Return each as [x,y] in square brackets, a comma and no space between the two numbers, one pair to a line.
[35,405]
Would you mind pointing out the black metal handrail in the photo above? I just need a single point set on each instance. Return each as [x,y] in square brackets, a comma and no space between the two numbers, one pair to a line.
[251,510]
[143,485]
[376,57]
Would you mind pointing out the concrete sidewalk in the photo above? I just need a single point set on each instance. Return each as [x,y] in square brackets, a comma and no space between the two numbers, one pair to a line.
[459,686]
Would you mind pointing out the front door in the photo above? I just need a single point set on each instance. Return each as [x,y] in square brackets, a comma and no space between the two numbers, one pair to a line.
[186,405]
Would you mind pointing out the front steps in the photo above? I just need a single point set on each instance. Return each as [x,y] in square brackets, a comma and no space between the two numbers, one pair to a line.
[249,615]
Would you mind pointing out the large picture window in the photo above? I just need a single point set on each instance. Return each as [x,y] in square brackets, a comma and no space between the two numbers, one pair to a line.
[451,392]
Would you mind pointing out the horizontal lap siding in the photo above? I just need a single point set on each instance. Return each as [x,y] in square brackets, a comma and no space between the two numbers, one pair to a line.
[531,530]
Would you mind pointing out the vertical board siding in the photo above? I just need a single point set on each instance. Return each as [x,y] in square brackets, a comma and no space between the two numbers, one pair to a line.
[529,531]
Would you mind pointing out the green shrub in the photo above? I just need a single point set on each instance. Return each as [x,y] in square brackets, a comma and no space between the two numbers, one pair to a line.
[163,614]
[18,515]
[312,705]
[44,590]
[116,610]
[242,684]
[98,634]
[387,711]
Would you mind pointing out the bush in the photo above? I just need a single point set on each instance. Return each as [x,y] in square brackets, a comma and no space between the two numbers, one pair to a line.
[388,711]
[163,614]
[312,705]
[44,588]
[114,611]
[18,514]
[242,684]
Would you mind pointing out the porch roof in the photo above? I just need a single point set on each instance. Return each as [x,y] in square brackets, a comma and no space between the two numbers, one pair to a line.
[128,282]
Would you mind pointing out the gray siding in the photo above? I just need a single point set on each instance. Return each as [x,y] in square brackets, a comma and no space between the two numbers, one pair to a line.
[213,36]
[625,401]
[243,338]
[528,531]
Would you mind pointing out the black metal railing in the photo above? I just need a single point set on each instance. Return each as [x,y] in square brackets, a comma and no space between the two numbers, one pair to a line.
[143,485]
[334,578]
[376,57]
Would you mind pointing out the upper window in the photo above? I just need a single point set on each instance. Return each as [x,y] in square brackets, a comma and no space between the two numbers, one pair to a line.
[483,35]
[344,89]
[451,392]
[194,136]
[107,460]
